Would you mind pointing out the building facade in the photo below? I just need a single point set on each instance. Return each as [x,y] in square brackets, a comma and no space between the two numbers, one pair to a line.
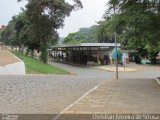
[84,53]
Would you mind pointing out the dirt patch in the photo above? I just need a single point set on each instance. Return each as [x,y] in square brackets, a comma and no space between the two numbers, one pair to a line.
[7,58]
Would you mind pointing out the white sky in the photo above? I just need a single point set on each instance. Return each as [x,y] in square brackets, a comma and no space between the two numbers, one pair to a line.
[92,11]
[9,8]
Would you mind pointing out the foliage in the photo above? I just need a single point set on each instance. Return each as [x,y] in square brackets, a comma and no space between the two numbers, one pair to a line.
[84,35]
[46,16]
[19,34]
[44,53]
[8,35]
[136,22]
[103,33]
[36,26]
[34,66]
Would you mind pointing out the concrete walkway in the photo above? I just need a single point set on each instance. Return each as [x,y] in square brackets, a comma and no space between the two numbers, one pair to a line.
[122,96]
[127,96]
[135,93]
[143,71]
[113,68]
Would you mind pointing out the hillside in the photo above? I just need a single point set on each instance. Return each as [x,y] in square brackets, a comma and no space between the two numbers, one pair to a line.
[84,35]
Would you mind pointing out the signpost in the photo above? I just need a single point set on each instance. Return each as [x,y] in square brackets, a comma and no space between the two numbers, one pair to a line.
[116,55]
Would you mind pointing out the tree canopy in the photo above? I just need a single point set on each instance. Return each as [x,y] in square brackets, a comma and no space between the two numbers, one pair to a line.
[46,16]
[136,23]
[37,25]
[84,35]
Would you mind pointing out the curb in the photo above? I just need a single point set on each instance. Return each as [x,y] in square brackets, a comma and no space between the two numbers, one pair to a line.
[157,80]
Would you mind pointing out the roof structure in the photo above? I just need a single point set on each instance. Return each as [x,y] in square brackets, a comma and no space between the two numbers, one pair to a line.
[89,45]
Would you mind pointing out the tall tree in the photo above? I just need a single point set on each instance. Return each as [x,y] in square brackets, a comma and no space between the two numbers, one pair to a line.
[137,23]
[84,35]
[46,16]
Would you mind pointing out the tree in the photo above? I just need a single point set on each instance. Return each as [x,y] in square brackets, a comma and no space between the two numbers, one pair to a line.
[19,33]
[137,24]
[84,35]
[46,16]
[8,35]
[104,35]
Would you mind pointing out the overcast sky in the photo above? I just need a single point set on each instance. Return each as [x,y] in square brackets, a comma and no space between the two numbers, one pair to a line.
[92,11]
[8,8]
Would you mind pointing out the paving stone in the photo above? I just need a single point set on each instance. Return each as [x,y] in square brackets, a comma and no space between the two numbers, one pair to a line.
[41,94]
[140,97]
[53,93]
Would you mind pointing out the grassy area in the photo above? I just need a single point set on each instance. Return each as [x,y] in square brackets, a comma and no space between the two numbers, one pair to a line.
[34,66]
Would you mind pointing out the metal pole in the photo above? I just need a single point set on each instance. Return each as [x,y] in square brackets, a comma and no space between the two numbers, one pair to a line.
[116,51]
[116,57]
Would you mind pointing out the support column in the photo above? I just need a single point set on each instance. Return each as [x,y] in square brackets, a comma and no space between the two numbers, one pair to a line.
[98,56]
[90,50]
[79,59]
[62,55]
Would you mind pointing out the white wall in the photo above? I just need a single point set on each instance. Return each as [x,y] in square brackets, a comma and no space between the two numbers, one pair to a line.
[13,69]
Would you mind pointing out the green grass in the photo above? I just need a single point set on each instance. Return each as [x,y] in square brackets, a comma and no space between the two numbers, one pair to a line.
[34,66]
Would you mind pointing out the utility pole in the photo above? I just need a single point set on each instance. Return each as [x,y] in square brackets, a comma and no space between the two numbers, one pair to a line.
[116,56]
[116,49]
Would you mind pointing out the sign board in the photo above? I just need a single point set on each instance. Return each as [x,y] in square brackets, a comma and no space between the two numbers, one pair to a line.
[117,55]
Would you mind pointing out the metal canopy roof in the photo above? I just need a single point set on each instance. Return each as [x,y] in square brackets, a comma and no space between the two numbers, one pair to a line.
[89,45]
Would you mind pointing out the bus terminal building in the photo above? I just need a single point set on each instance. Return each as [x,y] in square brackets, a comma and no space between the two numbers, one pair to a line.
[84,53]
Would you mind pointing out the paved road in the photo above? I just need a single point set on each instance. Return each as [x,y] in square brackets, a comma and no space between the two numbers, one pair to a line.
[143,71]
[46,94]
[51,94]
[41,94]
[83,72]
